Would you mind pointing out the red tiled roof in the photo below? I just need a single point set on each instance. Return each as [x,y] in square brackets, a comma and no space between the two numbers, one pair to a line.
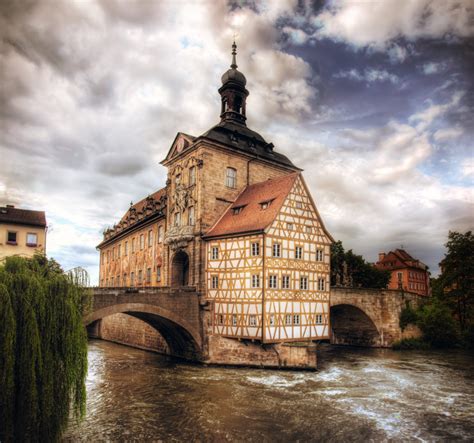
[252,217]
[398,259]
[10,214]
[141,204]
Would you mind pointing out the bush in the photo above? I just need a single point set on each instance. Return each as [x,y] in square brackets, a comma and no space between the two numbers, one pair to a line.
[408,316]
[438,325]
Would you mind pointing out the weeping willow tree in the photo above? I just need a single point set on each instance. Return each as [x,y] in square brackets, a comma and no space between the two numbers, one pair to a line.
[43,349]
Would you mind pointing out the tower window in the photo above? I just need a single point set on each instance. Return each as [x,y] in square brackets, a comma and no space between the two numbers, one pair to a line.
[177,219]
[231,178]
[191,216]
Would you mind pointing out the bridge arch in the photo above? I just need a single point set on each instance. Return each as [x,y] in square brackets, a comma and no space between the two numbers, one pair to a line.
[352,325]
[182,338]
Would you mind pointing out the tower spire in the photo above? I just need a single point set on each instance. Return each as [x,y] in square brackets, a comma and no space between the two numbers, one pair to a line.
[234,54]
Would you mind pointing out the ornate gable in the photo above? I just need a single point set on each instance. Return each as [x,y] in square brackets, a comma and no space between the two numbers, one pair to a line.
[181,143]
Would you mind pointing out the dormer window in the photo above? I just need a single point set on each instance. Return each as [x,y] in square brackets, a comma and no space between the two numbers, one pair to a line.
[265,204]
[238,209]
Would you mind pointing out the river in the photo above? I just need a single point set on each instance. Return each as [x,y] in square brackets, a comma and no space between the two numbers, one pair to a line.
[358,395]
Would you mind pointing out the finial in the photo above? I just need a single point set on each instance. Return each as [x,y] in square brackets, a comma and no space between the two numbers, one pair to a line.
[234,53]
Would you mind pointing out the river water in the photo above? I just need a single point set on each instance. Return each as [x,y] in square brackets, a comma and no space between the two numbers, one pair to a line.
[358,395]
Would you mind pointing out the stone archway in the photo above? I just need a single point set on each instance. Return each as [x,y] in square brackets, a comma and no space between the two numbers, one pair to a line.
[180,269]
[182,338]
[350,325]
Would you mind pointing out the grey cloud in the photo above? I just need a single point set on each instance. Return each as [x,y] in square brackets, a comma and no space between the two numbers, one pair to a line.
[123,165]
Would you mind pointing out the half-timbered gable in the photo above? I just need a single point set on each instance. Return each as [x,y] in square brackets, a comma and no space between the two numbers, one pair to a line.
[268,265]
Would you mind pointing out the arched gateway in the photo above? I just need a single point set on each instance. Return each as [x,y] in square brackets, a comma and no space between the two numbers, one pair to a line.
[180,269]
[174,314]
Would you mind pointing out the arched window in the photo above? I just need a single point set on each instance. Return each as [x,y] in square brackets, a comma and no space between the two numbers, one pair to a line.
[231,178]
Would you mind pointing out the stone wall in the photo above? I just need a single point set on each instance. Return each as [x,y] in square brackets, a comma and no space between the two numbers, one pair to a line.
[228,351]
[127,330]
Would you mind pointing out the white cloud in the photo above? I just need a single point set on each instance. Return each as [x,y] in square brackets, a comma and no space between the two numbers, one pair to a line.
[467,168]
[375,24]
[445,134]
[370,75]
[433,68]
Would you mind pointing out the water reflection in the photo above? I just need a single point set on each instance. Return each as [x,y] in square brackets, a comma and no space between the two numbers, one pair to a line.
[358,395]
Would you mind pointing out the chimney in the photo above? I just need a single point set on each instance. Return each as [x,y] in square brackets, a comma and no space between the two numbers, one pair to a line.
[381,256]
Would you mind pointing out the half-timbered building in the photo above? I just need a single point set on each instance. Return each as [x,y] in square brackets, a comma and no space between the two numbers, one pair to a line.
[237,222]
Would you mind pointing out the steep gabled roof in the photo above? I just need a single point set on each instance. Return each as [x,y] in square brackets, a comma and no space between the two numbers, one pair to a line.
[252,217]
[10,214]
[399,259]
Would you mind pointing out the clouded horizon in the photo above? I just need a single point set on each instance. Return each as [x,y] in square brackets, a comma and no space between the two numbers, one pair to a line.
[373,100]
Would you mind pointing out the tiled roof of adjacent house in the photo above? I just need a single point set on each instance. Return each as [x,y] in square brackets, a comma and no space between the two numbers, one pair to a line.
[247,213]
[398,259]
[10,214]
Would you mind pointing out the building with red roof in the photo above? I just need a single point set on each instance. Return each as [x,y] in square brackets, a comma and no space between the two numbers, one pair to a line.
[407,273]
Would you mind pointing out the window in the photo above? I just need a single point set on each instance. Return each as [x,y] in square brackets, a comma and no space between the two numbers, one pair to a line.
[289,226]
[191,216]
[119,249]
[237,210]
[234,319]
[288,319]
[215,282]
[112,281]
[255,249]
[177,219]
[117,280]
[319,319]
[124,279]
[220,319]
[285,282]
[298,252]
[299,205]
[231,178]
[399,275]
[296,319]
[31,239]
[11,238]
[215,253]
[106,282]
[272,320]
[192,175]
[150,238]
[177,179]
[133,245]
[125,252]
[132,278]
[148,275]
[160,234]
[272,281]
[276,250]
[158,273]
[142,241]
[319,255]
[255,281]
[304,283]
[321,284]
[140,277]
[252,320]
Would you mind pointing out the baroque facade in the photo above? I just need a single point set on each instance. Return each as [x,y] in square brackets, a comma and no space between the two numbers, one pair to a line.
[236,221]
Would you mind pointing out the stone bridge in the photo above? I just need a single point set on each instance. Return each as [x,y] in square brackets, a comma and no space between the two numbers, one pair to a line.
[369,317]
[174,313]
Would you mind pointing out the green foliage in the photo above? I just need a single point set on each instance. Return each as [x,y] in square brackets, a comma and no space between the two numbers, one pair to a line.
[457,278]
[351,269]
[408,316]
[43,349]
[410,344]
[438,325]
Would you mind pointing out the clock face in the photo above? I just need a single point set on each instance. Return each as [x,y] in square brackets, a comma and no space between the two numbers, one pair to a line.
[180,145]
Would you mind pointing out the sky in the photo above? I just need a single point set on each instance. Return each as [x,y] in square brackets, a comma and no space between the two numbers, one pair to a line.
[374,100]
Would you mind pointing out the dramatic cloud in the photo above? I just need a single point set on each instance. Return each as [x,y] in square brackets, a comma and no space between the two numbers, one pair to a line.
[374,100]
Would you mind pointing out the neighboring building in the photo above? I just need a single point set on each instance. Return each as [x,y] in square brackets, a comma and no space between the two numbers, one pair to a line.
[237,222]
[22,231]
[407,273]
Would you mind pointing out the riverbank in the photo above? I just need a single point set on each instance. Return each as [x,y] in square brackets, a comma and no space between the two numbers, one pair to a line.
[372,394]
